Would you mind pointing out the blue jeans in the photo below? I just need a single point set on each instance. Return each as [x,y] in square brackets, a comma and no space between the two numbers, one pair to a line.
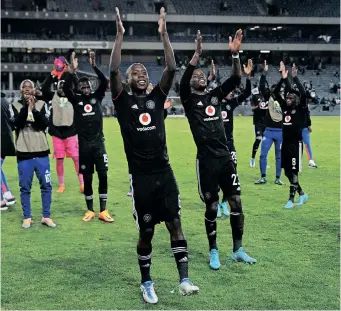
[26,169]
[306,141]
[271,135]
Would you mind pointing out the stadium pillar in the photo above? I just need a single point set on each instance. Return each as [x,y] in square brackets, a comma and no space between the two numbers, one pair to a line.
[10,81]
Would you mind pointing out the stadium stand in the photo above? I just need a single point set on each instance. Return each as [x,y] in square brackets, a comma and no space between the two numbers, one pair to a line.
[313,8]
[319,67]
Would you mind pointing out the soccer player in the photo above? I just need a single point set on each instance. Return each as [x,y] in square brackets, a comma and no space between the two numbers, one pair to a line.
[89,126]
[272,133]
[7,150]
[215,166]
[61,125]
[228,104]
[259,107]
[293,110]
[155,191]
[30,119]
[306,138]
[167,104]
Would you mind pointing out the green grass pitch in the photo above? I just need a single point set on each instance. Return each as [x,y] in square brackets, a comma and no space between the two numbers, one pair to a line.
[94,265]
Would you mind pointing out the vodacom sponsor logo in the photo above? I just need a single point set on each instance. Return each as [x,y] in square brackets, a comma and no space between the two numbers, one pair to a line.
[210,111]
[145,120]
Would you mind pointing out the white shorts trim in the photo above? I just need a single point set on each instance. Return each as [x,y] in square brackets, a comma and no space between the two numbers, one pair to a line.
[133,201]
[198,177]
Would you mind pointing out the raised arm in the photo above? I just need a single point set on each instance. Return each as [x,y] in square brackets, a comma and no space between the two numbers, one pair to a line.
[169,72]
[211,77]
[103,82]
[247,92]
[262,82]
[68,77]
[47,94]
[185,82]
[303,97]
[234,45]
[277,90]
[115,59]
[234,80]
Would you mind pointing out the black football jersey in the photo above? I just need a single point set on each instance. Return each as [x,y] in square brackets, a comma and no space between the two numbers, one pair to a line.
[229,105]
[227,108]
[142,126]
[205,120]
[88,116]
[261,108]
[293,123]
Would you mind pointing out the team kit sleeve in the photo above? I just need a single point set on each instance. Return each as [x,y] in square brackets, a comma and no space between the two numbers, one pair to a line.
[121,96]
[67,88]
[47,94]
[100,92]
[185,86]
[159,96]
[227,87]
[276,93]
[247,92]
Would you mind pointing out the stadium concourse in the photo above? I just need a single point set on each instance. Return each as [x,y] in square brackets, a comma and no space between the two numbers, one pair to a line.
[59,78]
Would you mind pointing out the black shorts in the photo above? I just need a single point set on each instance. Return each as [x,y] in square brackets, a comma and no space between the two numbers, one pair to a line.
[291,157]
[156,198]
[259,129]
[90,155]
[232,148]
[215,174]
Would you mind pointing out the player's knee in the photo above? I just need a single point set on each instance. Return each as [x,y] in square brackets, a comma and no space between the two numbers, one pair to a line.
[210,198]
[235,203]
[294,178]
[288,174]
[146,236]
[211,210]
[102,175]
[87,180]
[103,181]
[175,230]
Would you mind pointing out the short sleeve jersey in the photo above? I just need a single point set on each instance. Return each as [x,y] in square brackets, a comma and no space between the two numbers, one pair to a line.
[141,120]
[205,120]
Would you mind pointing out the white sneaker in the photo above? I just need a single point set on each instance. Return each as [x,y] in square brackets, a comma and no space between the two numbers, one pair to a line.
[187,288]
[148,292]
[4,206]
[10,201]
[252,163]
[312,164]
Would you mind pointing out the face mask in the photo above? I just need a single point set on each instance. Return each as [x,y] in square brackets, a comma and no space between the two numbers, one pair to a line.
[59,65]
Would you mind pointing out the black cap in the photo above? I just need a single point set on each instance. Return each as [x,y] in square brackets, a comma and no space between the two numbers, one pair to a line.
[293,91]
